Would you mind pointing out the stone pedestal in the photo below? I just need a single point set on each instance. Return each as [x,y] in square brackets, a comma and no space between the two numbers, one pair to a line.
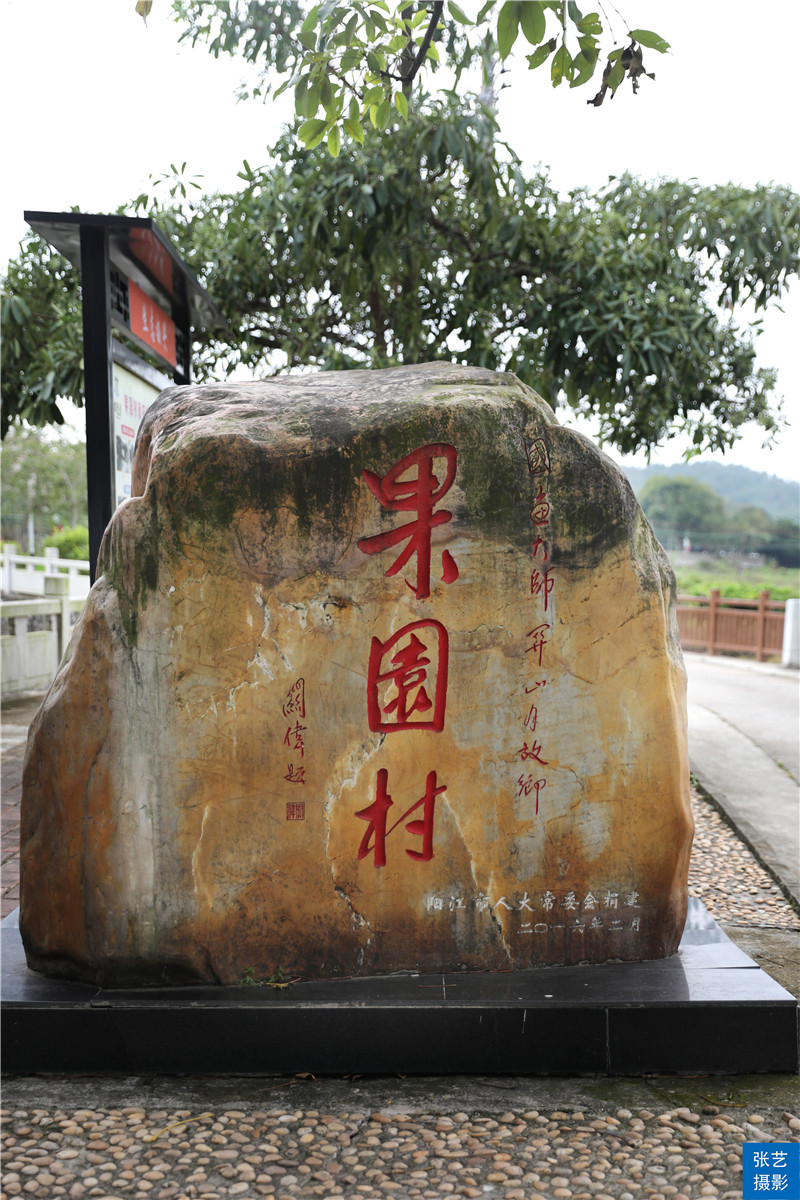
[708,1009]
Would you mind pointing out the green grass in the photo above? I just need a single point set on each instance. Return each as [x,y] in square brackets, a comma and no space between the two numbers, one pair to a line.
[737,583]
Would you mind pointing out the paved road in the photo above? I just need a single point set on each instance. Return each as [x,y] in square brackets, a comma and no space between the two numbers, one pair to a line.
[761,702]
[744,721]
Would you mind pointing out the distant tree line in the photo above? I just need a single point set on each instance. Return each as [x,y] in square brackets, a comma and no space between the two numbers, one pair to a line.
[737,485]
[44,491]
[684,511]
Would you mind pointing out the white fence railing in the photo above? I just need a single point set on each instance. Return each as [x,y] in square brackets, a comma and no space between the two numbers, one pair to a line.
[26,573]
[29,658]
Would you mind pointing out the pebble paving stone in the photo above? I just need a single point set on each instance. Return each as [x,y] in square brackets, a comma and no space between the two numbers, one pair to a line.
[731,883]
[286,1153]
[283,1153]
[10,792]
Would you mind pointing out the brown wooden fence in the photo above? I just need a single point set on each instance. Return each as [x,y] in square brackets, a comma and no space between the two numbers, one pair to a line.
[748,626]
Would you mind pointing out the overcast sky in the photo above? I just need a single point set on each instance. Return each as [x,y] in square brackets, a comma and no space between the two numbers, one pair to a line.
[94,102]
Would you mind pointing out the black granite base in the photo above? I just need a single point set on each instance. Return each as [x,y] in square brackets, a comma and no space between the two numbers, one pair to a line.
[709,1009]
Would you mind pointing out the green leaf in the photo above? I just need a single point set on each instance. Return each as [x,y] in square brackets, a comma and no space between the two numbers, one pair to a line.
[561,67]
[351,58]
[575,13]
[287,83]
[334,142]
[616,77]
[311,133]
[538,57]
[311,22]
[333,18]
[350,30]
[583,66]
[383,113]
[308,39]
[459,15]
[508,27]
[653,41]
[401,104]
[379,21]
[353,124]
[306,97]
[532,21]
[591,23]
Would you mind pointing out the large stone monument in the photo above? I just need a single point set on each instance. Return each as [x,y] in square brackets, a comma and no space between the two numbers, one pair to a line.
[381,673]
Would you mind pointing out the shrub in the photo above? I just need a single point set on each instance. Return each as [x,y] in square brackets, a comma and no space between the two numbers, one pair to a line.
[70,541]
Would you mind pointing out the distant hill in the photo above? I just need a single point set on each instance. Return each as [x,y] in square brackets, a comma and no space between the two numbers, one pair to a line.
[736,485]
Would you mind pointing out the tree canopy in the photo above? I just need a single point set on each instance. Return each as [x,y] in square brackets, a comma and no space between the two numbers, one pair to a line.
[40,336]
[353,66]
[43,484]
[682,505]
[435,244]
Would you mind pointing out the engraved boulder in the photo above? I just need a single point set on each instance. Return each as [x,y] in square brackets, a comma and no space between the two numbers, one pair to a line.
[381,672]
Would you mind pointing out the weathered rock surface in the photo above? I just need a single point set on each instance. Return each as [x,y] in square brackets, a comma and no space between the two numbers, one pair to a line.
[381,672]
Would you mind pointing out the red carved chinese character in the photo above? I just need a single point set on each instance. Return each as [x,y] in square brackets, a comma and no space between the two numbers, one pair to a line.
[408,676]
[526,784]
[294,738]
[375,814]
[539,642]
[530,720]
[540,513]
[537,544]
[296,810]
[419,495]
[538,684]
[541,582]
[295,703]
[296,774]
[533,752]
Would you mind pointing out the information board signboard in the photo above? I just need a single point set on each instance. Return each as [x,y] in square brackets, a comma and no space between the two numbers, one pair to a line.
[132,398]
[134,280]
[152,254]
[151,325]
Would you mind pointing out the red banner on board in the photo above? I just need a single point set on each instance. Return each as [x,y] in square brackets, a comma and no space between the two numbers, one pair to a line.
[151,324]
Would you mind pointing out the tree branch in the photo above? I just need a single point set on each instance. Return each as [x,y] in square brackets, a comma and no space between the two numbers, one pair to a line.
[433,24]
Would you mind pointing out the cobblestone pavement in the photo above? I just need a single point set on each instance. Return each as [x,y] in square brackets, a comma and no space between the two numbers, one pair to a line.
[14,734]
[285,1153]
[723,873]
[188,1143]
